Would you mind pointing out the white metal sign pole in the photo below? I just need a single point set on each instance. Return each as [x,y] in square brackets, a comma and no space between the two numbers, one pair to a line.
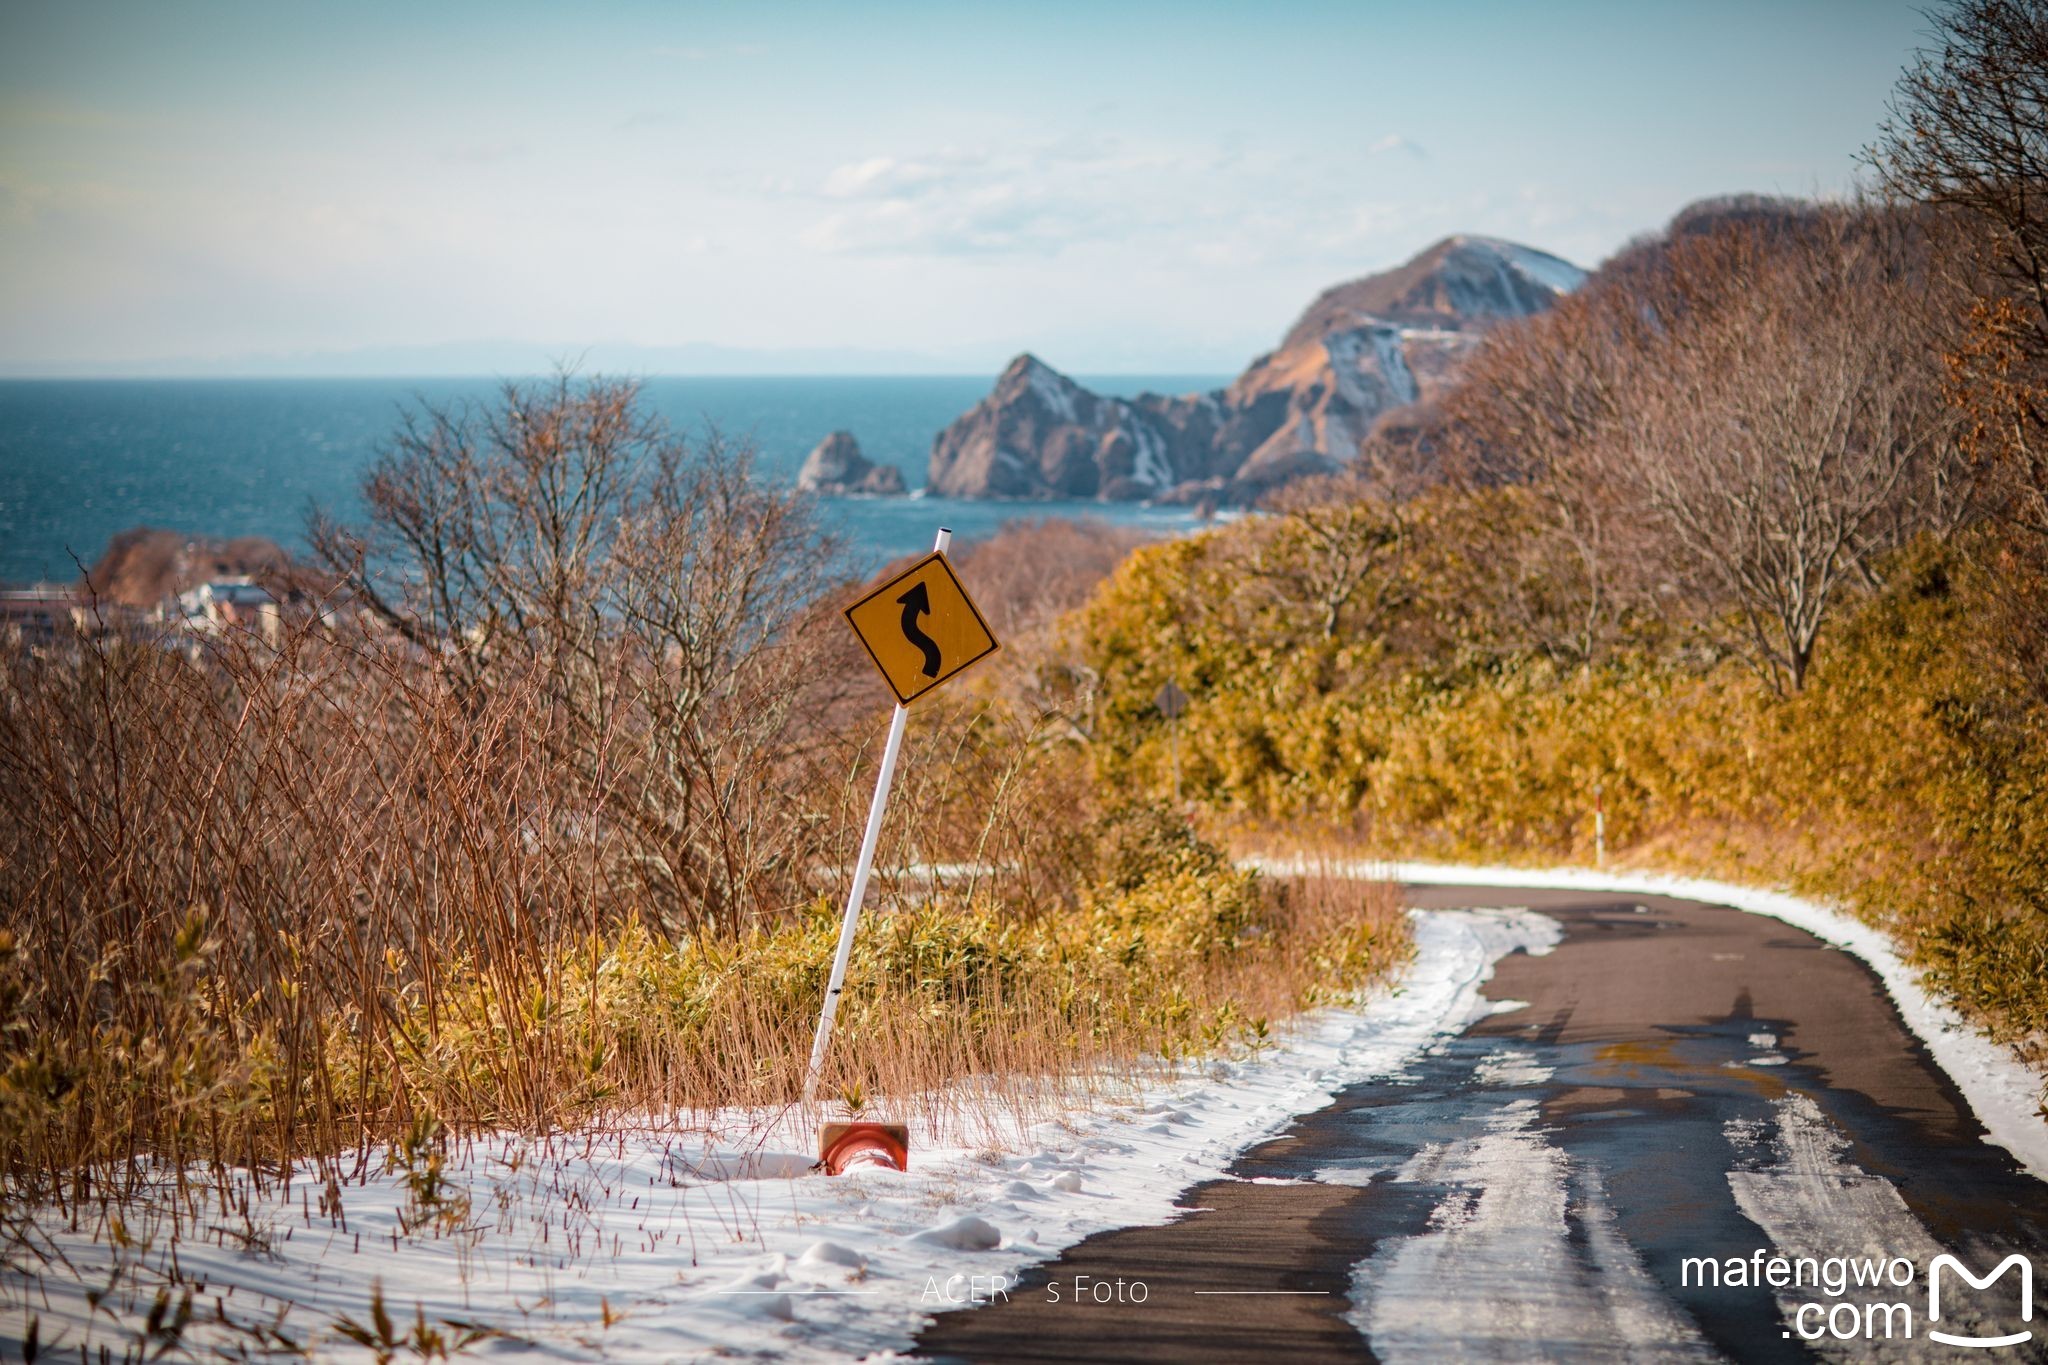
[859,890]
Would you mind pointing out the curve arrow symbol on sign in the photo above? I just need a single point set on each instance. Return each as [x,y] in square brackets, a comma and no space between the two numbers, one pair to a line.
[918,602]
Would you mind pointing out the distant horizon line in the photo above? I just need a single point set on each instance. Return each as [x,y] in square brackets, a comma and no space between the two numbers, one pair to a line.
[259,378]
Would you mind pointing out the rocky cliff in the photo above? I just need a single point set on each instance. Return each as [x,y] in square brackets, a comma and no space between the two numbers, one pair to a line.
[836,465]
[1362,351]
[1041,435]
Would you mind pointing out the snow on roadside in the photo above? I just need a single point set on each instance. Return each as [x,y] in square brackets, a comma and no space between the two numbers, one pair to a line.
[667,1246]
[2003,1092]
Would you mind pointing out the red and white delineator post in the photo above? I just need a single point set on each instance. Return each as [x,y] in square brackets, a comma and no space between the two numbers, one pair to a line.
[863,1146]
[870,1146]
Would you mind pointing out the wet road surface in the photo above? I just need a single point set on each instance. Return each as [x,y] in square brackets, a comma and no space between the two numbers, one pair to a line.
[1673,1081]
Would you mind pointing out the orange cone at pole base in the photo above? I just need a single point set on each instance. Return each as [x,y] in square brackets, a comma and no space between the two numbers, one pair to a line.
[874,1146]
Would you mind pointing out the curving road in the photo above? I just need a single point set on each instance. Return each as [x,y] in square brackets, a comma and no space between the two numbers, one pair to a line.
[1676,1083]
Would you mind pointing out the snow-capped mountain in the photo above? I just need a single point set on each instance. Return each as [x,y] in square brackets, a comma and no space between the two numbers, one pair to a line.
[1361,350]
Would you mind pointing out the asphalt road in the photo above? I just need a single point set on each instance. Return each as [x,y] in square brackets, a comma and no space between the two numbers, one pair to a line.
[1674,1083]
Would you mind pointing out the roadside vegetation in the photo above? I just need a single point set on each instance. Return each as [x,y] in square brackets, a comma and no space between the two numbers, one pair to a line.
[536,810]
[536,813]
[1746,543]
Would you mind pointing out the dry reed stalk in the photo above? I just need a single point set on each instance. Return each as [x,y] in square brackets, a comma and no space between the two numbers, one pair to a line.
[306,896]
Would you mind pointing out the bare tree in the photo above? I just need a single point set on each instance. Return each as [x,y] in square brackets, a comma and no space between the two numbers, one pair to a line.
[1969,134]
[1331,554]
[1969,130]
[1533,401]
[657,588]
[1735,420]
[1796,427]
[492,525]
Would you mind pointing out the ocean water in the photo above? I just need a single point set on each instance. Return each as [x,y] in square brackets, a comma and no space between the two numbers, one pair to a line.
[83,460]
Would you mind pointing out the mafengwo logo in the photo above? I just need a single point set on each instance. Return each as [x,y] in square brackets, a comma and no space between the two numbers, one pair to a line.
[2012,1262]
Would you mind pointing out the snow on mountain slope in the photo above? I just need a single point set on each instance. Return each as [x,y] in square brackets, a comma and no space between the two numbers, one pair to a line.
[1360,350]
[1317,396]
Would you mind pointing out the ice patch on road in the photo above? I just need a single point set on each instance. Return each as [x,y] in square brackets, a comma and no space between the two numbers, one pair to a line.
[1812,1202]
[2002,1091]
[1500,1247]
[1358,1173]
[1508,1067]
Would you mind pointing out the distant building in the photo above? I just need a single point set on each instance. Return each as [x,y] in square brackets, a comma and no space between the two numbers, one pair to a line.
[229,602]
[38,615]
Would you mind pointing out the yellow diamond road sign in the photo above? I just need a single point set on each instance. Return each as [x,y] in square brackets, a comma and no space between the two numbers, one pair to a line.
[921,628]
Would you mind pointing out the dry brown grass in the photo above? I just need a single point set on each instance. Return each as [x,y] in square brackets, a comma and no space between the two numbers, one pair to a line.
[542,820]
[265,902]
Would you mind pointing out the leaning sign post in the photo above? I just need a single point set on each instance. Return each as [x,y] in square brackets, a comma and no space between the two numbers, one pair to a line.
[920,628]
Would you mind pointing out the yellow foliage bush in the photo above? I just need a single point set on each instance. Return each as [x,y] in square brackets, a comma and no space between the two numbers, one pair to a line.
[1908,780]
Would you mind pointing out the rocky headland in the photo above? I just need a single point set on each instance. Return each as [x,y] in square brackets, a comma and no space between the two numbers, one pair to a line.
[1368,355]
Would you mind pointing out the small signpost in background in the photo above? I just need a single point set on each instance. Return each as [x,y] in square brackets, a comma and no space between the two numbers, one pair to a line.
[1172,702]
[1599,827]
[920,628]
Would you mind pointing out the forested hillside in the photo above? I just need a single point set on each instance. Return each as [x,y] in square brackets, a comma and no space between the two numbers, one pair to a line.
[1745,542]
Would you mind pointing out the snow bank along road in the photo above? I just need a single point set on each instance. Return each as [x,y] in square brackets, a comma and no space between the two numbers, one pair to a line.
[1682,1132]
[706,1236]
[1587,1125]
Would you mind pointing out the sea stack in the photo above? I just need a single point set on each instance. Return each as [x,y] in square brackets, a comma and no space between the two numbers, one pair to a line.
[837,466]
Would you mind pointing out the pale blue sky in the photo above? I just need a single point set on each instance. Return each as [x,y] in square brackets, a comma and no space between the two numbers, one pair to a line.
[1119,187]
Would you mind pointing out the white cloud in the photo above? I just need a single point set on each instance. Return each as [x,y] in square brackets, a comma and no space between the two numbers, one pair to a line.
[1065,241]
[1395,142]
[1035,198]
[879,177]
[1210,207]
[485,152]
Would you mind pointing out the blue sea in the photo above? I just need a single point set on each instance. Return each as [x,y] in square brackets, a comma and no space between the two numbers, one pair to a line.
[83,460]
